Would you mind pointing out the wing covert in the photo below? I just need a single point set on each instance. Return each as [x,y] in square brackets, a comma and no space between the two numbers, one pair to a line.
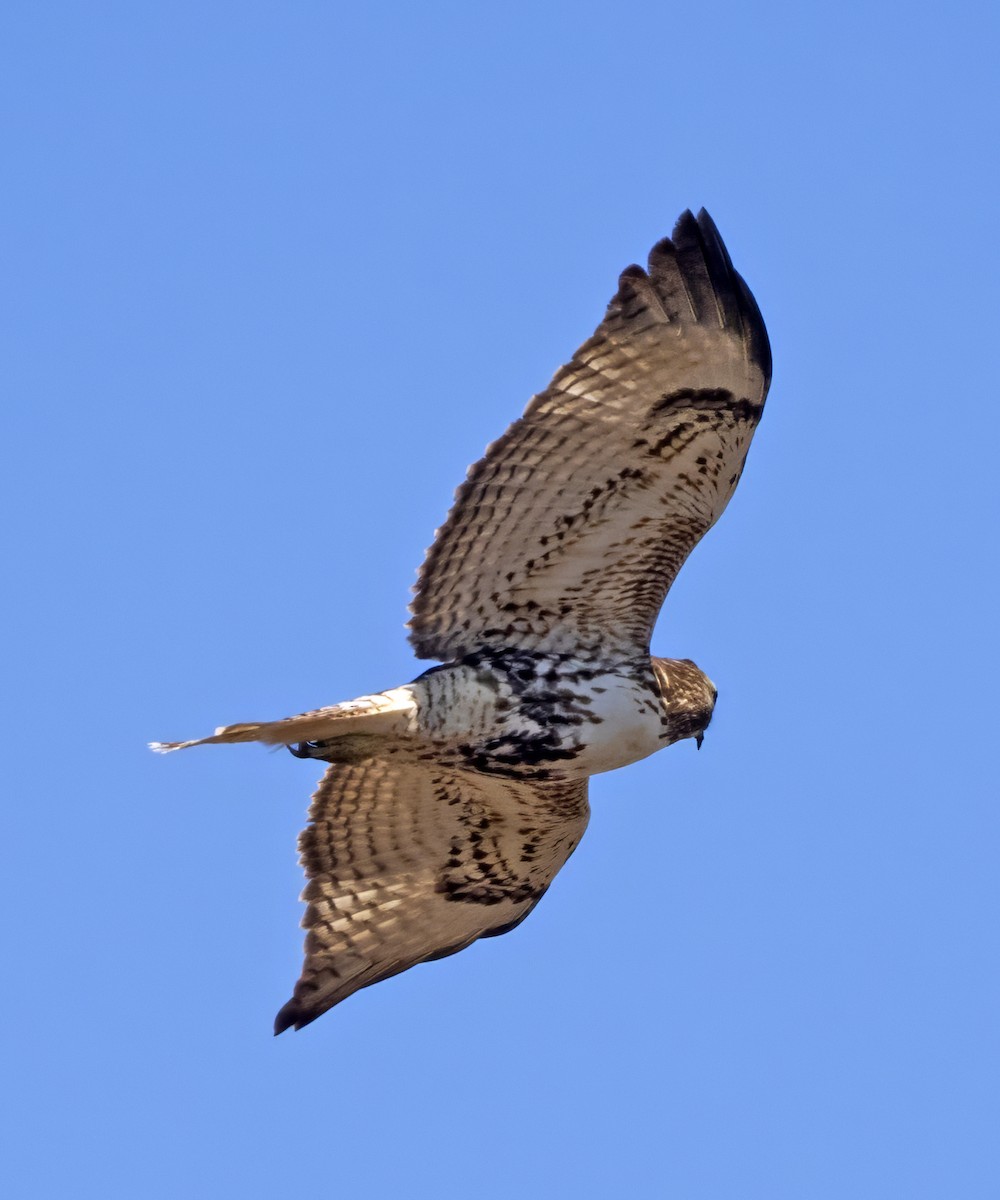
[570,530]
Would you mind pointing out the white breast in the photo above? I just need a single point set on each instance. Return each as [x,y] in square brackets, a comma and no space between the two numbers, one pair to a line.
[630,726]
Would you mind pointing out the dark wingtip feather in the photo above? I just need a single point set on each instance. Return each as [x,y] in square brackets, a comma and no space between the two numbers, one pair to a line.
[284,1020]
[293,1015]
[686,226]
[695,276]
[634,293]
[754,328]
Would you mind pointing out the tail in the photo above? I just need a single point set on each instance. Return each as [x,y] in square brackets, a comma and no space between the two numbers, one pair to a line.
[386,714]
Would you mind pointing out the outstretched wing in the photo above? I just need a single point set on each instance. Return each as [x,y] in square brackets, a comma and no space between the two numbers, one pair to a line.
[409,862]
[571,529]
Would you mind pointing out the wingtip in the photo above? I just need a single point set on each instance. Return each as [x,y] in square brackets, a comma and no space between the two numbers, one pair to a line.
[686,233]
[685,225]
[293,1016]
[631,272]
[707,233]
[706,224]
[698,249]
[758,343]
[286,1018]
[701,234]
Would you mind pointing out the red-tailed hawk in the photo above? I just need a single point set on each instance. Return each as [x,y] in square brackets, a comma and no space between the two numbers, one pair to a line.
[451,802]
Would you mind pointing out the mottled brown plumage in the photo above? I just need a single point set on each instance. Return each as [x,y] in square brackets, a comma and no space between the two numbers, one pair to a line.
[571,529]
[451,802]
[409,861]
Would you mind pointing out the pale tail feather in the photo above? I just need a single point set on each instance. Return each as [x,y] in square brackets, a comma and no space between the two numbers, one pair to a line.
[387,713]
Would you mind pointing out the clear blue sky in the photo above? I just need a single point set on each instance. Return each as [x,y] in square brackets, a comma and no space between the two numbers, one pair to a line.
[274,274]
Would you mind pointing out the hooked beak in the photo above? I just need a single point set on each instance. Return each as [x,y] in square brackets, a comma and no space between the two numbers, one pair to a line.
[699,738]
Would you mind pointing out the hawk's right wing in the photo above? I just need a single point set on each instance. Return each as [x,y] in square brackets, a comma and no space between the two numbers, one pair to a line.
[408,862]
[570,530]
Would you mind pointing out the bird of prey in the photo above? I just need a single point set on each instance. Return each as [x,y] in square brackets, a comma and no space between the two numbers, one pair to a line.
[451,802]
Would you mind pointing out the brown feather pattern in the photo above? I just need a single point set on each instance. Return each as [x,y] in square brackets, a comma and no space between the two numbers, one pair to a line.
[570,530]
[408,861]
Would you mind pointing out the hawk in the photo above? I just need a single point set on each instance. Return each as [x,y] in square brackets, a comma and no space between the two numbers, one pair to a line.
[450,803]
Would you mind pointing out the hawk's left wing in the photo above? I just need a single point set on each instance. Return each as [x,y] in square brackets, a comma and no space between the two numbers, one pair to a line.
[410,862]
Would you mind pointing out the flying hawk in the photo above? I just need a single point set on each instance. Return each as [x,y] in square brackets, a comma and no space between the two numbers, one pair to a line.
[451,802]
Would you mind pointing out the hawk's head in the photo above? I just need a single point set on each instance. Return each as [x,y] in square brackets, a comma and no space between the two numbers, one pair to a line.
[688,698]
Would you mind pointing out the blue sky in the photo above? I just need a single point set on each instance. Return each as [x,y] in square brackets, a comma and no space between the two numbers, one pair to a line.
[274,275]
